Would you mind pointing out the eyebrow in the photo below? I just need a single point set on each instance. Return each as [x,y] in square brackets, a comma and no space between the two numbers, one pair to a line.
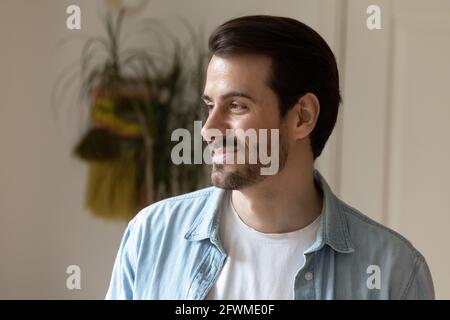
[230,95]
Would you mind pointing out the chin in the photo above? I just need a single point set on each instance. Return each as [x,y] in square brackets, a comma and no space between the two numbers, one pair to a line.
[223,179]
[231,178]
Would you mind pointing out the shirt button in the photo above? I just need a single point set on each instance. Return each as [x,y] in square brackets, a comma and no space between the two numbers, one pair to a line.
[308,276]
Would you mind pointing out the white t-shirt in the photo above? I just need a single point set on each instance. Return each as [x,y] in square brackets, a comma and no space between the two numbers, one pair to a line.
[260,266]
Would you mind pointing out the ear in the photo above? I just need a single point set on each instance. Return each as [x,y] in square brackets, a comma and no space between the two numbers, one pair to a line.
[305,115]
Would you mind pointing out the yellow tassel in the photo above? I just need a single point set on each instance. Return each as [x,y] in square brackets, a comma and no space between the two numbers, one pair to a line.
[112,191]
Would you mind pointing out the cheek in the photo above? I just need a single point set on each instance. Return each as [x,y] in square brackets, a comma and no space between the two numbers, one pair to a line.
[255,121]
[245,122]
[256,124]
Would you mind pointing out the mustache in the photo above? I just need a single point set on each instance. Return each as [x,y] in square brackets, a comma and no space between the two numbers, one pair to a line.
[227,141]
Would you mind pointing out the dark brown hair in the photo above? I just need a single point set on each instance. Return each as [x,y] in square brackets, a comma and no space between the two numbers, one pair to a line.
[302,62]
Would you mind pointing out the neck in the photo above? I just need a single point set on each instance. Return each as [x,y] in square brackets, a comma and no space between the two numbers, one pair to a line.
[281,203]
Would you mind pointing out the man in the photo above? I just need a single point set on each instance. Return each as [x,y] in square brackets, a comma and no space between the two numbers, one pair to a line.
[278,236]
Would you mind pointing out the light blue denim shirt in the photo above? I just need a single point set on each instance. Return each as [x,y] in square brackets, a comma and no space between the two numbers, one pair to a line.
[172,250]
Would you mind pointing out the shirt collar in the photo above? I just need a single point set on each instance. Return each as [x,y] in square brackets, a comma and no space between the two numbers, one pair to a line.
[333,228]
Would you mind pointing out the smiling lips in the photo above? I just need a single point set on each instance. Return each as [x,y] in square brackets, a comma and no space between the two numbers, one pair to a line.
[223,155]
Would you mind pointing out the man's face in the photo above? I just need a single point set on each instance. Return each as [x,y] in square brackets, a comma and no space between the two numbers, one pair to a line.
[237,96]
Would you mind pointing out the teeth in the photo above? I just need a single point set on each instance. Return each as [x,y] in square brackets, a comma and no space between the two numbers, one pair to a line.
[223,155]
[223,150]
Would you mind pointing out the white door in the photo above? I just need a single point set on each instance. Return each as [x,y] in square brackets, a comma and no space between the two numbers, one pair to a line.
[394,157]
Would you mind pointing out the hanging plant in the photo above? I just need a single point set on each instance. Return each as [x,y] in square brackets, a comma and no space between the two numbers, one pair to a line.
[136,98]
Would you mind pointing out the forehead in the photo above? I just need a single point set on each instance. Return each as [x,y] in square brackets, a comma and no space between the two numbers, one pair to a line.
[239,71]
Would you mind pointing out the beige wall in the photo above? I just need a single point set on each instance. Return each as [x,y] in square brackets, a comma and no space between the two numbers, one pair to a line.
[43,227]
[395,151]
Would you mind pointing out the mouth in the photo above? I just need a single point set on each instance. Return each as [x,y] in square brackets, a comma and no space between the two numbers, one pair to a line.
[223,155]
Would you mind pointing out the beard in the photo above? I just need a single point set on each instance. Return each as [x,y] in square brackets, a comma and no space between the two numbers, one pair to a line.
[239,176]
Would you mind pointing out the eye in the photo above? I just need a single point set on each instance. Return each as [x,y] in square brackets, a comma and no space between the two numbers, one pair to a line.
[235,106]
[208,107]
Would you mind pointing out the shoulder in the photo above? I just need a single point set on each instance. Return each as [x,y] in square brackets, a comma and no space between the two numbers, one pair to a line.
[176,212]
[366,232]
[198,197]
[400,263]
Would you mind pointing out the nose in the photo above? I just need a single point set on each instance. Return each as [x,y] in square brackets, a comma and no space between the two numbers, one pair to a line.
[214,126]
